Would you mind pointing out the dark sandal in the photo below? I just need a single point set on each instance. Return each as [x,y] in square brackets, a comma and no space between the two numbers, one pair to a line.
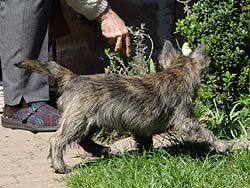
[38,117]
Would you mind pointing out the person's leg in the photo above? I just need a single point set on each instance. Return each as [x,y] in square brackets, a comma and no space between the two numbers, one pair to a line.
[24,36]
[24,25]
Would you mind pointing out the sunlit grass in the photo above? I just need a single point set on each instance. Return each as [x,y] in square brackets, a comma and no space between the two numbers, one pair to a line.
[160,169]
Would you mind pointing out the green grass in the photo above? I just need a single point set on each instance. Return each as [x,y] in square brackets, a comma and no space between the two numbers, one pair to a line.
[161,169]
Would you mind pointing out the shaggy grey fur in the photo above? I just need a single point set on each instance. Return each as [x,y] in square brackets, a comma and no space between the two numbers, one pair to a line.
[143,105]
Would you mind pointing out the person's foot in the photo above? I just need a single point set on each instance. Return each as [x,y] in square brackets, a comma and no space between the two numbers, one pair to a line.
[34,117]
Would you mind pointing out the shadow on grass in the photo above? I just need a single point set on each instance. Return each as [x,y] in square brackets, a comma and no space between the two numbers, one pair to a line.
[195,151]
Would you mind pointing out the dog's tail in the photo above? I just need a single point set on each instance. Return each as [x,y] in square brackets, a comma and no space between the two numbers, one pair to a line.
[50,68]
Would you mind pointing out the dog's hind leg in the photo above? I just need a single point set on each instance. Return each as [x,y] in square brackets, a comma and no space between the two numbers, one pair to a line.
[90,146]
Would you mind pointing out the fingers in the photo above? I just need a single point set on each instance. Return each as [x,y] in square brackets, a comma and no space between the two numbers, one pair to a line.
[118,45]
[128,45]
[114,29]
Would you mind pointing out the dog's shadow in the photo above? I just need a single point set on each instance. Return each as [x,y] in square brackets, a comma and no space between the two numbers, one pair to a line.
[195,151]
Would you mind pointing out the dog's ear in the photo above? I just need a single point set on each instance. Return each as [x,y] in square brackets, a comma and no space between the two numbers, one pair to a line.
[199,56]
[168,55]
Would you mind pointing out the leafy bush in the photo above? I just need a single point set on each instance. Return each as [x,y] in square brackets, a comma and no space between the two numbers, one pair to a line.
[224,27]
[237,121]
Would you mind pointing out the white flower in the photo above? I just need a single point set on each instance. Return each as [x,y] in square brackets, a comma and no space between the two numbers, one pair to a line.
[185,49]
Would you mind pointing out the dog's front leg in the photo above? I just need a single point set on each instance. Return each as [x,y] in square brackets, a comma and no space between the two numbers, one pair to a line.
[191,131]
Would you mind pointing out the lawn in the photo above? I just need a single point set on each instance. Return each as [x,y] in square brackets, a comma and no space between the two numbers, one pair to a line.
[165,169]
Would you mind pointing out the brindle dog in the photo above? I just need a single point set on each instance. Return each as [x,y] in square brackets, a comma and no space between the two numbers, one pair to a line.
[143,105]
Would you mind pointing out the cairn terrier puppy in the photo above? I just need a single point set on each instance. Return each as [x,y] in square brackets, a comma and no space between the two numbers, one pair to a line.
[143,105]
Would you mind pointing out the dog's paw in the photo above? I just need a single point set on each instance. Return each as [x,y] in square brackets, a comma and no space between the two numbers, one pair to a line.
[62,170]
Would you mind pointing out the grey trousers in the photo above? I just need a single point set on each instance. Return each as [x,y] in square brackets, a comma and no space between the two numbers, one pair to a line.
[23,35]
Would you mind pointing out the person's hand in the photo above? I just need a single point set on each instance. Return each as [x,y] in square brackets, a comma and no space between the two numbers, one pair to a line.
[114,29]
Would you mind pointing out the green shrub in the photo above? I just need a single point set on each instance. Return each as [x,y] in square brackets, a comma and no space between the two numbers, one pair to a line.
[240,116]
[224,26]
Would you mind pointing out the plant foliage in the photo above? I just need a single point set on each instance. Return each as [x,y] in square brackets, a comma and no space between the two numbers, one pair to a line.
[141,63]
[224,27]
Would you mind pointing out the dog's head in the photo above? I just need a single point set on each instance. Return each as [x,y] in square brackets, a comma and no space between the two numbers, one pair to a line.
[170,57]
